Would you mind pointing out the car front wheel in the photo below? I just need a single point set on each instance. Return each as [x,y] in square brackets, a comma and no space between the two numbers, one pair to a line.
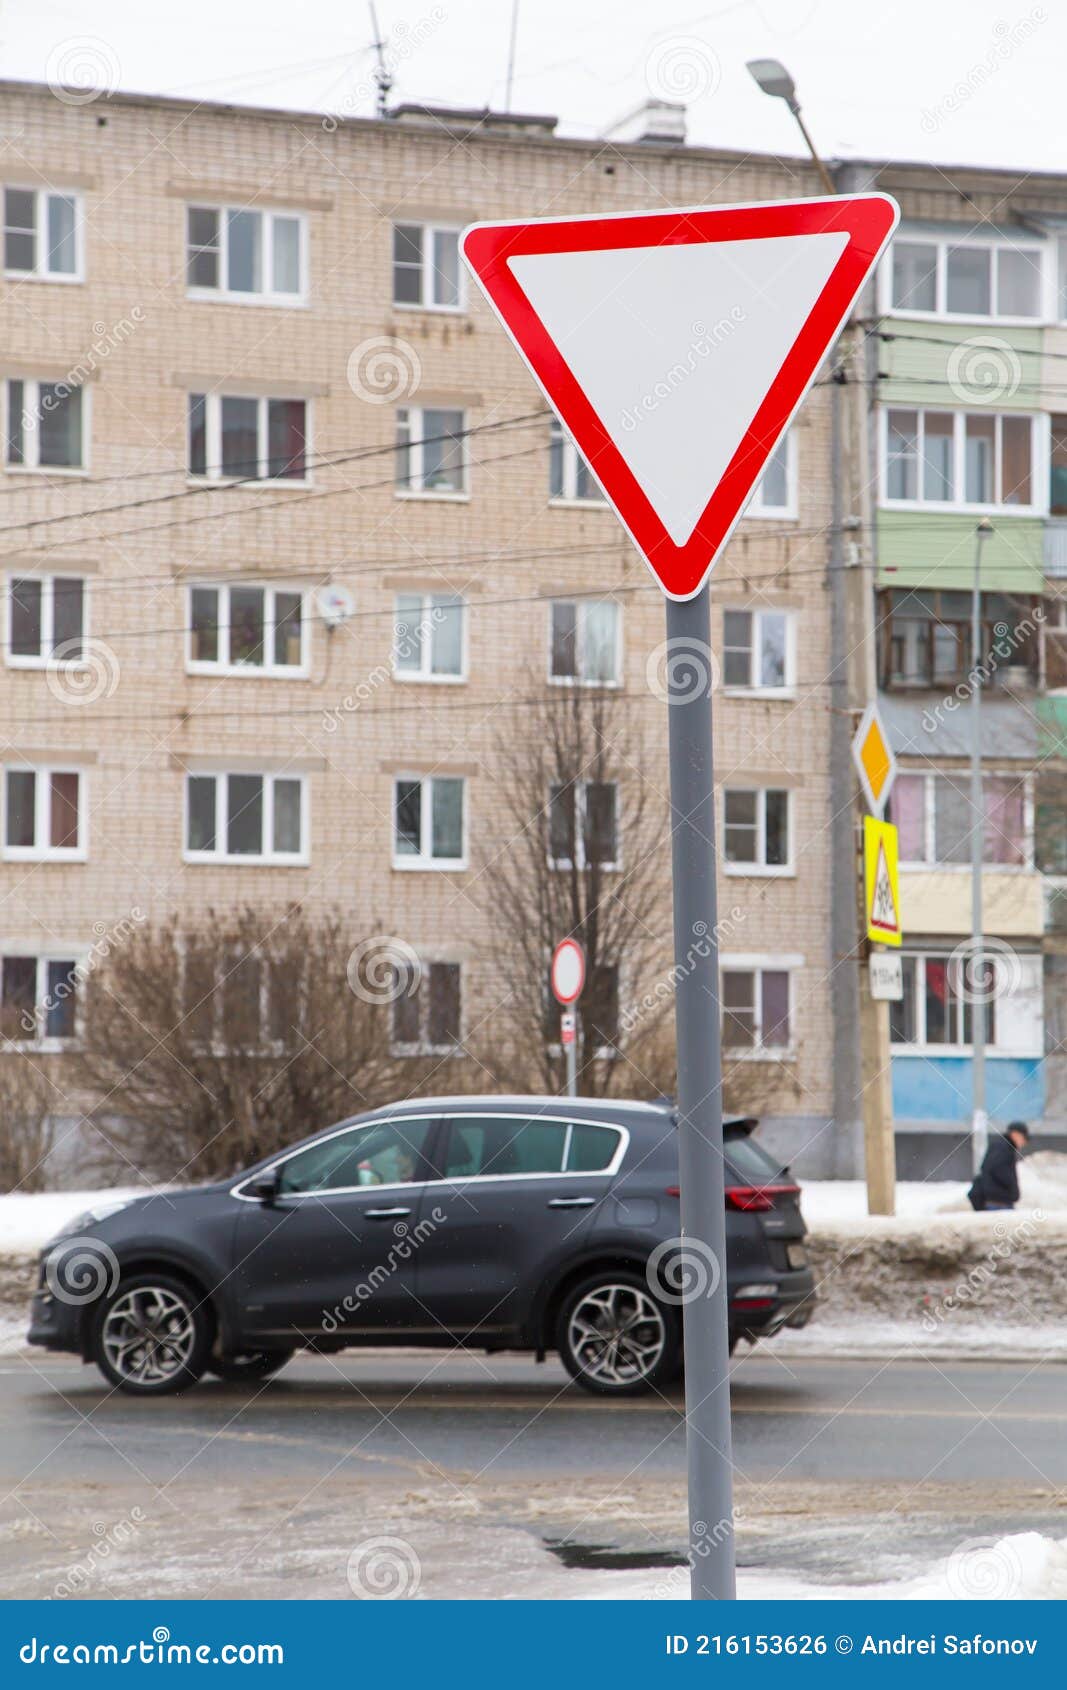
[152,1336]
[615,1339]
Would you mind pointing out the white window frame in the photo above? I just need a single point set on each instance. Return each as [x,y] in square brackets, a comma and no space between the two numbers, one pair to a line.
[572,458]
[942,242]
[758,964]
[919,1046]
[239,296]
[213,441]
[31,437]
[45,658]
[44,853]
[40,222]
[74,954]
[790,510]
[760,689]
[761,869]
[1039,460]
[423,1047]
[268,858]
[425,860]
[416,430]
[269,670]
[929,862]
[580,679]
[426,268]
[564,864]
[425,672]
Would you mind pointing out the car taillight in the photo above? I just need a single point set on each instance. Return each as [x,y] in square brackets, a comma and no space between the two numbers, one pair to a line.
[762,1197]
[749,1197]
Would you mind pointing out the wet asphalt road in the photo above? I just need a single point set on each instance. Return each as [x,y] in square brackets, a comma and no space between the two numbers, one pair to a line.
[506,1419]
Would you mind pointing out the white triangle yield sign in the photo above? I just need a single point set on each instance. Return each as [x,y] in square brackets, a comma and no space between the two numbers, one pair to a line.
[675,346]
[884,914]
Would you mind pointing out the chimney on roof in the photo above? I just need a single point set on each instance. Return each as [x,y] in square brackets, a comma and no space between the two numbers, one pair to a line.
[653,120]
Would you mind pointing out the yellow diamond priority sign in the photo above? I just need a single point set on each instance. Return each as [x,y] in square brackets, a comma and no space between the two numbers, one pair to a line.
[874,760]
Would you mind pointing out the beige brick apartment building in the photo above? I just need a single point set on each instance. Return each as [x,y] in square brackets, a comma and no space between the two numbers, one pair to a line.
[291,549]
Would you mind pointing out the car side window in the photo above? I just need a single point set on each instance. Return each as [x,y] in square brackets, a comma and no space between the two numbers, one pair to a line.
[590,1149]
[503,1144]
[385,1153]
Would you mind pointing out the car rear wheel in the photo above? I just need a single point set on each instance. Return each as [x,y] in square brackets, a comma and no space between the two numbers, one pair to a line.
[152,1336]
[615,1339]
[248,1365]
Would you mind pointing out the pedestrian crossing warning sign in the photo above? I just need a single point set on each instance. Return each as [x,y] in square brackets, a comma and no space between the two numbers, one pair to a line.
[881,881]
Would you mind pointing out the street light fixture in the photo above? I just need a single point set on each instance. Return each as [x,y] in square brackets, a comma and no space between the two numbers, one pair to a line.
[772,76]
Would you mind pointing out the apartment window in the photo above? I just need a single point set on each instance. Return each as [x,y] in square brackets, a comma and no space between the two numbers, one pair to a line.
[569,476]
[428,637]
[583,825]
[959,458]
[43,425]
[43,814]
[232,438]
[925,638]
[966,278]
[41,234]
[936,819]
[426,267]
[245,818]
[757,654]
[756,830]
[245,254]
[933,1012]
[239,629]
[45,619]
[755,1009]
[426,1021]
[1050,823]
[431,450]
[428,822]
[775,491]
[585,641]
[38,998]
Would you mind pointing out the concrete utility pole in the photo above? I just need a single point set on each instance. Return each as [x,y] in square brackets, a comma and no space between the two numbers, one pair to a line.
[862,1087]
[975,968]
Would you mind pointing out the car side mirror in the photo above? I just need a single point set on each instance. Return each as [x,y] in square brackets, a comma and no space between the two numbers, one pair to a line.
[265,1187]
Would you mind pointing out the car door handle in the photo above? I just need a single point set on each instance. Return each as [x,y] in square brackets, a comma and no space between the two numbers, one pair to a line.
[386,1214]
[571,1202]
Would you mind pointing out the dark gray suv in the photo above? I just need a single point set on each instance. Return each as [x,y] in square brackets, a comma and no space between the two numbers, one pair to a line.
[506,1223]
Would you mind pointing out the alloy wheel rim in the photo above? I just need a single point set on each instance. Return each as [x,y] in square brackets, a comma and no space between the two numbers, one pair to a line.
[617,1334]
[149,1335]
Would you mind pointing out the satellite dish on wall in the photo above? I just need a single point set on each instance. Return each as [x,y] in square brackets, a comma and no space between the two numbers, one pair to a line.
[335,605]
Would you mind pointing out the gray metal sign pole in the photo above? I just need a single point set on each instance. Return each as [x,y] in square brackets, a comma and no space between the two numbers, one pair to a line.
[703,1202]
[572,1053]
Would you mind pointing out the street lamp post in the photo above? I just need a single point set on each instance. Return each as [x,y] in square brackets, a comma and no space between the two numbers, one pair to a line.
[974,973]
[772,76]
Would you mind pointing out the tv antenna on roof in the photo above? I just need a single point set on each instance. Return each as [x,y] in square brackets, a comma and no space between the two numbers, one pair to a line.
[383,77]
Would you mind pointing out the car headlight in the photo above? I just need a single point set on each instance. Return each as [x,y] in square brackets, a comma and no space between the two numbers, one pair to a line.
[89,1217]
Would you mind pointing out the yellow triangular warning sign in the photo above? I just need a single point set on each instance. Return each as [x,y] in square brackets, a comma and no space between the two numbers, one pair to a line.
[884,913]
[881,881]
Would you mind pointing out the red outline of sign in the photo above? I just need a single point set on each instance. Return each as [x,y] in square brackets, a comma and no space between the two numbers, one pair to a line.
[566,945]
[867,219]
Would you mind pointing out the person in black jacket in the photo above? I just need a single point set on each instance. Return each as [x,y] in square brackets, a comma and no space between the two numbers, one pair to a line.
[996,1185]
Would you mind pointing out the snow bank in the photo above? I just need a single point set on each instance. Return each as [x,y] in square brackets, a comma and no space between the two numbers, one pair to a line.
[28,1221]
